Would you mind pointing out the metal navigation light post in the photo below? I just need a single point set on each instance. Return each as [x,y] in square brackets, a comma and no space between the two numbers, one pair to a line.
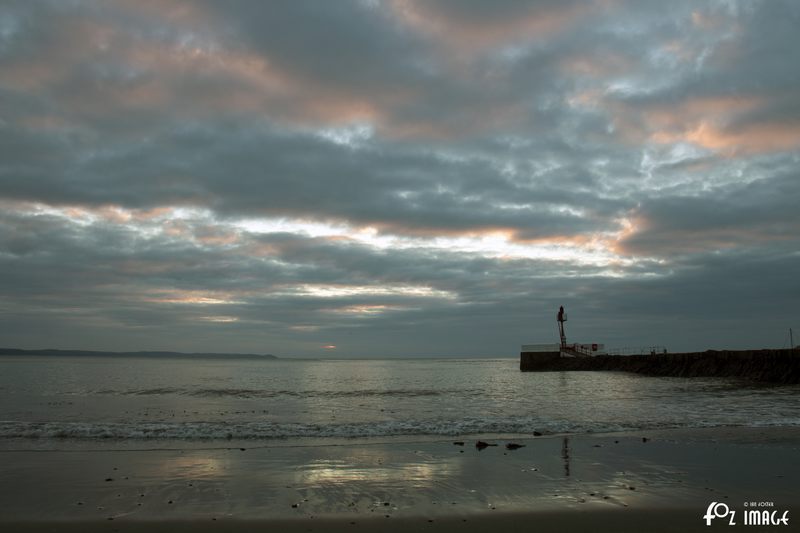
[561,318]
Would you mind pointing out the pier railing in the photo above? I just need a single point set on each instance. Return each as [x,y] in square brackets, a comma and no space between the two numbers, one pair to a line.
[577,349]
[638,350]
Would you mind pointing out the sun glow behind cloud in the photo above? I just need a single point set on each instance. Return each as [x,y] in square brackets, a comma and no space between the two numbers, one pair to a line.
[189,297]
[338,291]
[220,319]
[598,249]
[595,250]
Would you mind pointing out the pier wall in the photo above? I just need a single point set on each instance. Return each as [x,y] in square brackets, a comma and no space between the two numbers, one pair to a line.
[538,361]
[775,366]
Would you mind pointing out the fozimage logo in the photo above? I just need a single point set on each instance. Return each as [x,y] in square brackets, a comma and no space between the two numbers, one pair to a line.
[754,514]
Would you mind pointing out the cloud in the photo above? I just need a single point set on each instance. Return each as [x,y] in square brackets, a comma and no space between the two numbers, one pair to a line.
[730,89]
[480,25]
[432,176]
[746,216]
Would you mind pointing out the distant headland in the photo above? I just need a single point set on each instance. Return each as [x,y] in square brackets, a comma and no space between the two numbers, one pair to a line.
[174,355]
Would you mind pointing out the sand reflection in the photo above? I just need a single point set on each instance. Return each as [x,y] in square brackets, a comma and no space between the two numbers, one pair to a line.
[342,472]
[193,466]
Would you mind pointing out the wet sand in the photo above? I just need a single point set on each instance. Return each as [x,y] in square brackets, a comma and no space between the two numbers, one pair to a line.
[618,521]
[649,481]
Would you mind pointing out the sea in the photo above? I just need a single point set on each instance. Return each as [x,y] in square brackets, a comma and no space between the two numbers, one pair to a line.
[58,401]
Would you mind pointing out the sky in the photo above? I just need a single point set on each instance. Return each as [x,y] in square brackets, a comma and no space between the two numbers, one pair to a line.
[376,178]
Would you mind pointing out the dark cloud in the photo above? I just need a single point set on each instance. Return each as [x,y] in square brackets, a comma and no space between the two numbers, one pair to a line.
[238,171]
[431,177]
[364,51]
[747,216]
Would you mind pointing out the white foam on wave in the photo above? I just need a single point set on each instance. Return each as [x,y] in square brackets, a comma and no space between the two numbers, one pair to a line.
[278,393]
[269,430]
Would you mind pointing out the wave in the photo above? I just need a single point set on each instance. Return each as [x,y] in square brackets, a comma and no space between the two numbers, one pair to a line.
[267,393]
[270,430]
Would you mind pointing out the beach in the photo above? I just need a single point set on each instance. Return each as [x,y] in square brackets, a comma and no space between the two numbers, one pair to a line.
[647,481]
[632,521]
[399,265]
[131,444]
